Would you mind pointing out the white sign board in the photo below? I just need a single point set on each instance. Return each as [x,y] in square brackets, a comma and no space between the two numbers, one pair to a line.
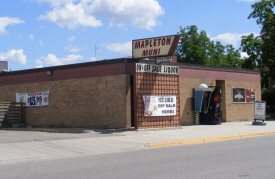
[34,99]
[160,105]
[259,111]
[161,69]
[164,59]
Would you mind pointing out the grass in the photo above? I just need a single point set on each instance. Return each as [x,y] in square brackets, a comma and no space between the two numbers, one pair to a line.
[269,115]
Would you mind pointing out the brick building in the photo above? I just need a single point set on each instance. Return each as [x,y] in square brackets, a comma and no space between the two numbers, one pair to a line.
[108,93]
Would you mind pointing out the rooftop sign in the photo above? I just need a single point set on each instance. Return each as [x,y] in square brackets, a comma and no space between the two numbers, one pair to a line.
[155,47]
[168,59]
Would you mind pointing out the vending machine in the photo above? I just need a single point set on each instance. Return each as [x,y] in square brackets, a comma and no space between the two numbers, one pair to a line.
[201,99]
[214,113]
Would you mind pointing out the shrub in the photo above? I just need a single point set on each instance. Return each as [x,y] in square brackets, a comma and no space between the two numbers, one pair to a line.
[269,98]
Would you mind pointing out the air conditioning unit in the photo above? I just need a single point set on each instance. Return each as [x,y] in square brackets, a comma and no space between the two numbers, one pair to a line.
[3,70]
[3,66]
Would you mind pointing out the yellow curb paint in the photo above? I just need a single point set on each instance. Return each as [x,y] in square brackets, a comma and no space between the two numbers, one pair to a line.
[165,144]
[191,141]
[254,134]
[221,138]
[162,144]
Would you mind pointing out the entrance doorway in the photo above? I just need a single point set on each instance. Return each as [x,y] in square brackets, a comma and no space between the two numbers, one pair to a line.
[221,83]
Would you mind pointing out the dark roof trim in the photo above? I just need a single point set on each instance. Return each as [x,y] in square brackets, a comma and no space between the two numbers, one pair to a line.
[128,60]
[78,65]
[217,68]
[204,67]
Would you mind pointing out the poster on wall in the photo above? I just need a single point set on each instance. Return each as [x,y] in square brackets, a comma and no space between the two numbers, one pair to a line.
[252,95]
[238,95]
[248,96]
[159,105]
[36,99]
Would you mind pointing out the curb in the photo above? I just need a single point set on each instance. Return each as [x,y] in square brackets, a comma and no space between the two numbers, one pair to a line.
[45,130]
[165,144]
[159,129]
[79,130]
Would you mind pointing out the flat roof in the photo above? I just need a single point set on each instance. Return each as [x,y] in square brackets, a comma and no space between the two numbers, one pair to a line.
[127,60]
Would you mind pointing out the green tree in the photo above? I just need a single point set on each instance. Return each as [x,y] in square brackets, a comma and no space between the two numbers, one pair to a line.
[253,47]
[193,46]
[217,54]
[232,57]
[197,48]
[263,13]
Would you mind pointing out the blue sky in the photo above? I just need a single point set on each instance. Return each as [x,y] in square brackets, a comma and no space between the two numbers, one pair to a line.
[42,33]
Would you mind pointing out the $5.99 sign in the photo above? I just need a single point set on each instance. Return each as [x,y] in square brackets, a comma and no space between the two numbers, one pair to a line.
[34,99]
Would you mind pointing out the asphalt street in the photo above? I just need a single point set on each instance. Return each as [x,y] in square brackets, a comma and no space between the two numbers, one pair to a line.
[30,145]
[251,157]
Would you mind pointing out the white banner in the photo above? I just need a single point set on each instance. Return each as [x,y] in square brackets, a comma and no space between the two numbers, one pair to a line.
[34,99]
[160,105]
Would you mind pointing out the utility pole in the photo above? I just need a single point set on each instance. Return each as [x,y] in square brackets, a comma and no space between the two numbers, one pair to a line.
[95,53]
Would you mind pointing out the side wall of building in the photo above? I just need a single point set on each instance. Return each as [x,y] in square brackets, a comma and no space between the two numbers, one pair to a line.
[100,95]
[239,111]
[101,101]
[192,78]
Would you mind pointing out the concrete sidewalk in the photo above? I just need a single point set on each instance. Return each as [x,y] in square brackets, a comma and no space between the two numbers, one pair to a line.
[57,143]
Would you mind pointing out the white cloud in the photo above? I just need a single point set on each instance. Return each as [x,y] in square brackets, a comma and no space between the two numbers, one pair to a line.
[247,0]
[140,13]
[93,59]
[31,37]
[71,13]
[38,61]
[71,59]
[125,49]
[52,60]
[71,38]
[16,57]
[54,2]
[230,38]
[73,49]
[41,42]
[5,21]
[70,16]
[244,55]
[39,66]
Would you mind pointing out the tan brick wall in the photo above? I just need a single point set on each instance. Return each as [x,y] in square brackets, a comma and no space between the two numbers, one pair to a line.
[187,116]
[240,111]
[230,111]
[87,102]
